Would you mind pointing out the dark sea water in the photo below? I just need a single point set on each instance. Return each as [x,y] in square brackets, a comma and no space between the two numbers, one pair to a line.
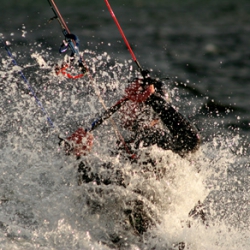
[201,51]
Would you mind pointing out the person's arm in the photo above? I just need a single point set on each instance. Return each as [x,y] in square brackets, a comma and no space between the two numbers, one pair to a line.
[185,135]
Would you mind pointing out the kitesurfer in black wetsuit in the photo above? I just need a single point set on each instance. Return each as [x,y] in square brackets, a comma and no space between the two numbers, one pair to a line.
[151,119]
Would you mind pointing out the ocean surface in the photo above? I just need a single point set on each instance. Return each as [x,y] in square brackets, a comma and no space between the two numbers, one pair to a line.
[200,49]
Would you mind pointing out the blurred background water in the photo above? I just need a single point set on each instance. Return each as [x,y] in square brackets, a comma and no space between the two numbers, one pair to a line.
[201,46]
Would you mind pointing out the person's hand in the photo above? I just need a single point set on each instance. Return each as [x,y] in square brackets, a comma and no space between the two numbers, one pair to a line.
[136,93]
[80,142]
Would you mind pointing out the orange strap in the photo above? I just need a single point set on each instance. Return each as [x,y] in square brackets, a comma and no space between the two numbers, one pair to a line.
[62,71]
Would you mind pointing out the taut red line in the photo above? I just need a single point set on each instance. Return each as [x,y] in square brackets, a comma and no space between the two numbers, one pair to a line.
[123,35]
